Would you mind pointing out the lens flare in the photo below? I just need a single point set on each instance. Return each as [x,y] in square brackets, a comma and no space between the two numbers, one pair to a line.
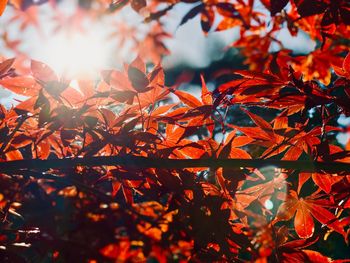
[268,204]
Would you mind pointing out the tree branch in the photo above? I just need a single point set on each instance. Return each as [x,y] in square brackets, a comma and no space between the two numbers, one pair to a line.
[144,162]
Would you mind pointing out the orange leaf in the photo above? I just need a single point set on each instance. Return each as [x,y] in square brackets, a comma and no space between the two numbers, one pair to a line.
[280,123]
[42,72]
[127,192]
[253,132]
[43,149]
[206,94]
[119,81]
[346,63]
[315,256]
[139,64]
[6,65]
[325,181]
[138,79]
[259,121]
[13,155]
[188,99]
[116,187]
[287,209]
[325,217]
[241,141]
[303,222]
[3,4]
[162,109]
[303,177]
[25,86]
[239,154]
[293,153]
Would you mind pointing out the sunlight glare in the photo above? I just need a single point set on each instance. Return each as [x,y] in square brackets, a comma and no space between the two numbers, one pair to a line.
[76,54]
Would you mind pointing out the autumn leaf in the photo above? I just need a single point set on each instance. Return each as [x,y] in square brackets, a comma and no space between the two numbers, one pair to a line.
[276,6]
[345,70]
[188,99]
[3,4]
[305,210]
[5,66]
[43,72]
[89,147]
[139,80]
[206,95]
[13,155]
[22,85]
[192,13]
[137,5]
[207,19]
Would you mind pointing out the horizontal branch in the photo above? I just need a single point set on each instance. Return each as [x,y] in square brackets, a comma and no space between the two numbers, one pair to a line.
[144,162]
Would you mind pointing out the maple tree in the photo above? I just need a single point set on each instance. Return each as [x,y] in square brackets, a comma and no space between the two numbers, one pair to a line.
[129,169]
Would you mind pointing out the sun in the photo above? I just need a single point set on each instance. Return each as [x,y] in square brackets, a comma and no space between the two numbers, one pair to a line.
[76,54]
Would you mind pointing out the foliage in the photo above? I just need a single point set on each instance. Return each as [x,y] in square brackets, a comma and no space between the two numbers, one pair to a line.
[117,213]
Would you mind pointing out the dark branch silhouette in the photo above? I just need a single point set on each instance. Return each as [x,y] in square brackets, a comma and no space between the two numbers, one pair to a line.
[144,162]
